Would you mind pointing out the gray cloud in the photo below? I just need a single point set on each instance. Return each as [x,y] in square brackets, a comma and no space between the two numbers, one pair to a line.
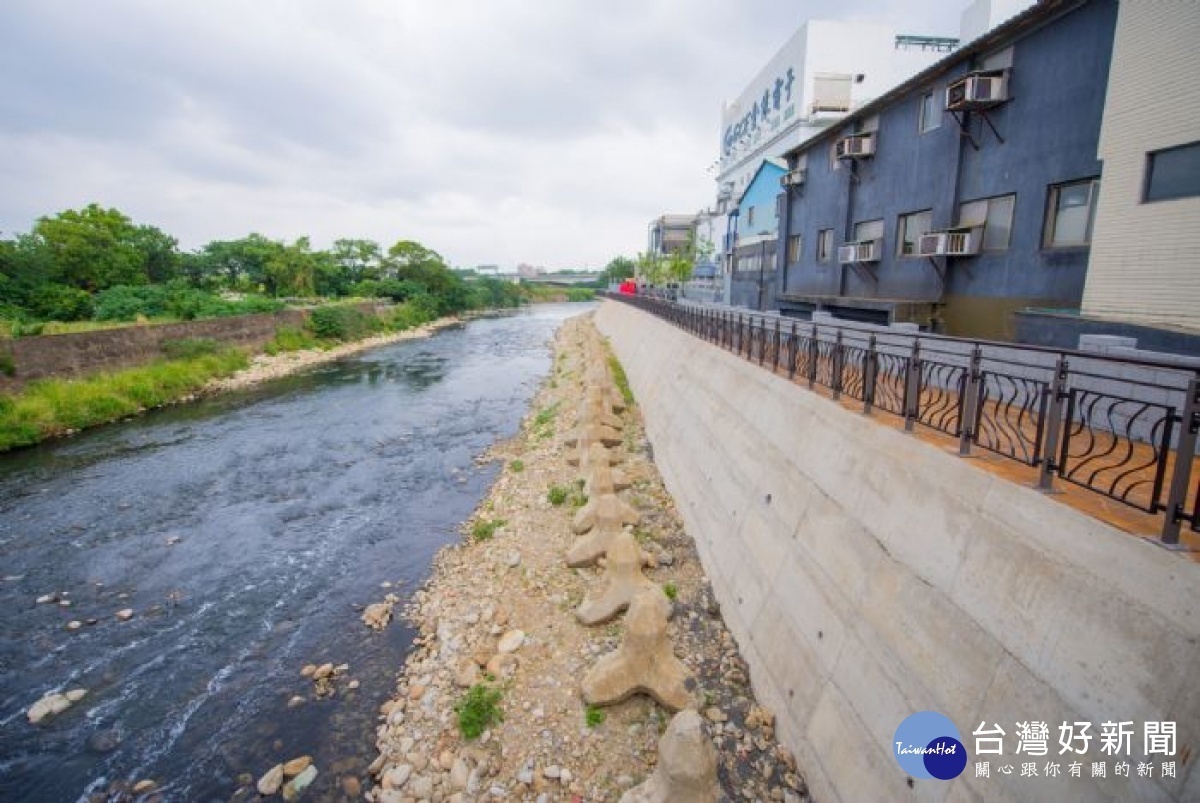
[505,131]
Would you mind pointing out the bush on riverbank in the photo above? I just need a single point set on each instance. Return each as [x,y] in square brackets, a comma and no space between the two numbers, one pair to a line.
[55,407]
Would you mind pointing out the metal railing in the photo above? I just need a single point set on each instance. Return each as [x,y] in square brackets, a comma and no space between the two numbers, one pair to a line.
[1125,429]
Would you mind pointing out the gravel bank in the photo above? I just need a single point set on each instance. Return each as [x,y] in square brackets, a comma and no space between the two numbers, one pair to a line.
[500,609]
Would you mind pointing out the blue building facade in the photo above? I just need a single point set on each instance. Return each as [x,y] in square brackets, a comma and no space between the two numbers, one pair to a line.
[754,236]
[955,210]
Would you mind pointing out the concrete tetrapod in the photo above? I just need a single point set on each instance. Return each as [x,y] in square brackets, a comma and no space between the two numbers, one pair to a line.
[644,663]
[594,454]
[588,549]
[596,411]
[623,579]
[687,766]
[608,395]
[601,478]
[606,510]
[587,434]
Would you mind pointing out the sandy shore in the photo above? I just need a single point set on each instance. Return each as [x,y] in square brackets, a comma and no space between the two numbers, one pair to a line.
[507,583]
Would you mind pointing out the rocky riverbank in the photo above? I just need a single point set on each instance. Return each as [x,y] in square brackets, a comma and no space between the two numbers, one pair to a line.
[490,704]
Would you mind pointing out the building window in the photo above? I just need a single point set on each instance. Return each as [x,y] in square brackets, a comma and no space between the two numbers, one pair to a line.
[749,218]
[909,230]
[867,230]
[1070,210]
[995,215]
[793,249]
[931,113]
[1173,173]
[824,245]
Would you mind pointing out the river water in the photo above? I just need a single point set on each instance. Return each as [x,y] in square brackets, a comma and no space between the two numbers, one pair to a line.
[246,532]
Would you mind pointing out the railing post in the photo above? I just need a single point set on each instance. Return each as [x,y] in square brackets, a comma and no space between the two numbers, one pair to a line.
[1185,449]
[870,371]
[793,348]
[839,364]
[814,351]
[968,405]
[762,340]
[1054,425]
[912,387]
[775,355]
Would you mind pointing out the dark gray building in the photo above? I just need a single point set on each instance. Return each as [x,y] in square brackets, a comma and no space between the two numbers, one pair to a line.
[964,194]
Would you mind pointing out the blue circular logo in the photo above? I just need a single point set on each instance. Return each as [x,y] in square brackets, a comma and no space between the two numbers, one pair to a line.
[928,746]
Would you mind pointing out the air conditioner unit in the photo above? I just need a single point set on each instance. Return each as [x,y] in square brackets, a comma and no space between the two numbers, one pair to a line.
[856,147]
[793,178]
[961,242]
[863,251]
[977,91]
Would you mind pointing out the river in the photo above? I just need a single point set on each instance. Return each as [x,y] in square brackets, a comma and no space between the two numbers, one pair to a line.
[246,532]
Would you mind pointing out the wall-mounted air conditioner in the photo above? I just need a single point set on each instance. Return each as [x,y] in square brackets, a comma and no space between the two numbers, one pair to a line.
[954,242]
[857,146]
[863,251]
[977,90]
[793,178]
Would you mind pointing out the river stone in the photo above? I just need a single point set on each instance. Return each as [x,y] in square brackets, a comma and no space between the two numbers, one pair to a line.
[298,784]
[144,786]
[459,775]
[511,641]
[351,786]
[51,704]
[270,782]
[398,776]
[125,614]
[422,787]
[296,766]
[75,695]
[323,671]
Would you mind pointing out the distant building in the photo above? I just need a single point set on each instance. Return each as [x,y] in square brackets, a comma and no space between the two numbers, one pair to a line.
[962,195]
[753,237]
[669,234]
[527,271]
[487,270]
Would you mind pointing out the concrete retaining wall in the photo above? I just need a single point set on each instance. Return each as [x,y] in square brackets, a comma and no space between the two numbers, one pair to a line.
[84,353]
[868,575]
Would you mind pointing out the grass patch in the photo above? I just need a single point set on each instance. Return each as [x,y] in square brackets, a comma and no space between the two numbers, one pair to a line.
[622,381]
[188,348]
[517,466]
[484,530]
[578,498]
[478,709]
[291,338]
[54,407]
[671,590]
[558,495]
[594,716]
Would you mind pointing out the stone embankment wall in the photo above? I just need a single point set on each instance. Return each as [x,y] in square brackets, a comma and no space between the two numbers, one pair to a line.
[85,353]
[868,575]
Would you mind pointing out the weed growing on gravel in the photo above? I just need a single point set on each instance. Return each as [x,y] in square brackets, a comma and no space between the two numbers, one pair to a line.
[557,495]
[484,530]
[478,709]
[594,716]
[517,466]
[671,590]
[578,498]
[622,381]
[543,423]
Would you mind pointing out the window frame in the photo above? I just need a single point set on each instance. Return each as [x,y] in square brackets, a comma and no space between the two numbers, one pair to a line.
[987,213]
[1050,220]
[1148,178]
[824,245]
[933,120]
[795,247]
[861,224]
[901,229]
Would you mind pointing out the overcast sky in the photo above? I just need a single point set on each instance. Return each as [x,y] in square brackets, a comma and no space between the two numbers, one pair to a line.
[494,131]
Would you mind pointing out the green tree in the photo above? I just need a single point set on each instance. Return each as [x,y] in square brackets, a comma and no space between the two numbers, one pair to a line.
[357,260]
[94,248]
[618,269]
[242,264]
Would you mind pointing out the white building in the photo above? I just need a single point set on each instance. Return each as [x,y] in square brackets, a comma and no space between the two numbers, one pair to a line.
[825,70]
[1144,265]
